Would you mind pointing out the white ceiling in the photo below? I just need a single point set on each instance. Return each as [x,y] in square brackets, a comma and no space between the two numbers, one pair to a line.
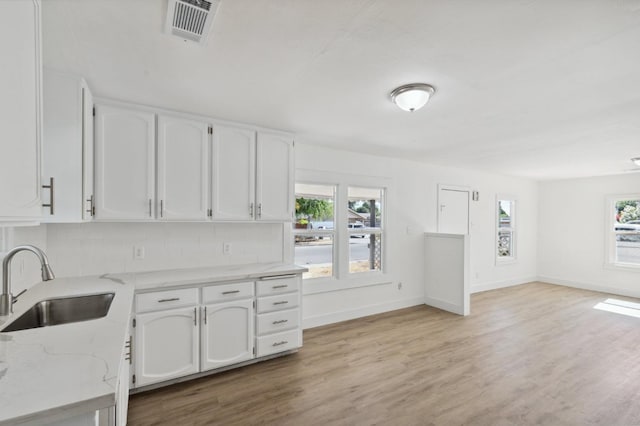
[541,89]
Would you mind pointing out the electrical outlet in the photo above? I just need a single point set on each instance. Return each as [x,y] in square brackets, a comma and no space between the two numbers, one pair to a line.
[226,248]
[138,252]
[399,286]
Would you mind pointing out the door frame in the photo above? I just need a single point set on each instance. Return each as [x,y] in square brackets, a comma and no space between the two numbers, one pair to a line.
[458,188]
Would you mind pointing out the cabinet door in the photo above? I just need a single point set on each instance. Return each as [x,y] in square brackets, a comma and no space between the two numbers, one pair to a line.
[20,111]
[124,163]
[122,393]
[65,144]
[87,152]
[233,173]
[166,345]
[183,171]
[227,333]
[274,191]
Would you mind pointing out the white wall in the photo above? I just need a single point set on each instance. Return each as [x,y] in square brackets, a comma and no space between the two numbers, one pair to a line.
[571,245]
[411,211]
[97,248]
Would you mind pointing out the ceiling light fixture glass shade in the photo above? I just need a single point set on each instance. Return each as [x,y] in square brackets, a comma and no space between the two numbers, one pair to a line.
[636,161]
[412,97]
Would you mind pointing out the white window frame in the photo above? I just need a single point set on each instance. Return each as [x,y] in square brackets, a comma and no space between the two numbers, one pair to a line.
[611,233]
[513,229]
[368,229]
[342,279]
[322,233]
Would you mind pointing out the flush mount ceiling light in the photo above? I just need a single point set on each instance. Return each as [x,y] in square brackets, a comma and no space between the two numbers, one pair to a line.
[636,161]
[412,97]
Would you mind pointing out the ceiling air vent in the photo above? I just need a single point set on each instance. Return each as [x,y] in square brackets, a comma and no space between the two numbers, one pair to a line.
[191,19]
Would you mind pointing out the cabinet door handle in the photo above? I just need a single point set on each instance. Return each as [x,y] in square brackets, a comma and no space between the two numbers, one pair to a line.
[277,277]
[205,314]
[150,212]
[91,210]
[172,299]
[161,208]
[259,210]
[231,292]
[195,317]
[284,302]
[280,322]
[251,209]
[283,342]
[280,286]
[51,188]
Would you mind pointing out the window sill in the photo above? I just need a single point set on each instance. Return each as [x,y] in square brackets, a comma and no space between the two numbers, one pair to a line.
[622,266]
[327,285]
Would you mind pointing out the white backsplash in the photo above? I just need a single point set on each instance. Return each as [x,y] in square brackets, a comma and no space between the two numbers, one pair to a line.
[25,267]
[98,248]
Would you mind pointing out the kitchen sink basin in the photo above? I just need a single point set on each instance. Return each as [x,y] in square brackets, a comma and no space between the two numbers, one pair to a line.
[63,311]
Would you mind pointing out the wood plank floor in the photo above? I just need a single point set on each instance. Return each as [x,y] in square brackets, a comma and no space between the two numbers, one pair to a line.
[527,355]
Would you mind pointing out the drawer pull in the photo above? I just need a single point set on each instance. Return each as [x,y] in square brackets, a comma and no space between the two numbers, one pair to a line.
[280,286]
[172,299]
[280,321]
[231,292]
[284,342]
[277,277]
[284,302]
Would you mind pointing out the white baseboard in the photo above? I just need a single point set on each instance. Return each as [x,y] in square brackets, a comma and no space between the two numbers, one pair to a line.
[591,286]
[334,317]
[445,306]
[501,284]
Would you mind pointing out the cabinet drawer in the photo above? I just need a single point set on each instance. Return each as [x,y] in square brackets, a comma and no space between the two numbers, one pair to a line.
[278,321]
[169,299]
[277,303]
[280,342]
[276,285]
[224,292]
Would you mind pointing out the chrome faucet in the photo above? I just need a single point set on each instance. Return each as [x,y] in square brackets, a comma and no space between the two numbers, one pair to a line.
[6,298]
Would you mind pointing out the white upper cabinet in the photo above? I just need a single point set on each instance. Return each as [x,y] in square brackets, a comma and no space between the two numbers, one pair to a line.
[233,173]
[124,163]
[67,148]
[274,177]
[183,169]
[20,112]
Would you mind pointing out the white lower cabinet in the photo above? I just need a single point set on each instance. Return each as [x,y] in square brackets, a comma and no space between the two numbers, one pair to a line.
[227,334]
[195,329]
[167,345]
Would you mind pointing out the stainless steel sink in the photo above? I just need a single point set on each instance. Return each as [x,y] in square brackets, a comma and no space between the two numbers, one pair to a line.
[63,311]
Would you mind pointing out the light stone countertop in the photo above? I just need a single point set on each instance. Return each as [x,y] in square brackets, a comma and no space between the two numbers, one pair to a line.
[56,372]
[150,281]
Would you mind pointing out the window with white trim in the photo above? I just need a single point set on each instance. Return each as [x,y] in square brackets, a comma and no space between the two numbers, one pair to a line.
[338,232]
[505,230]
[624,230]
[365,229]
[314,230]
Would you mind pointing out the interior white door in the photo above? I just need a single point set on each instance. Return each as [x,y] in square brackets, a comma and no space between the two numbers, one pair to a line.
[166,345]
[227,333]
[124,163]
[453,211]
[233,173]
[274,177]
[183,169]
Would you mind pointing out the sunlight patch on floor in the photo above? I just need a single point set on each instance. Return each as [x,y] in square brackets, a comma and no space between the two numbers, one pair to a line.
[622,307]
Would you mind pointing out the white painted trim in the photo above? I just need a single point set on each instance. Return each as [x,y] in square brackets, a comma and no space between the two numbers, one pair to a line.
[445,306]
[591,286]
[335,317]
[494,285]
